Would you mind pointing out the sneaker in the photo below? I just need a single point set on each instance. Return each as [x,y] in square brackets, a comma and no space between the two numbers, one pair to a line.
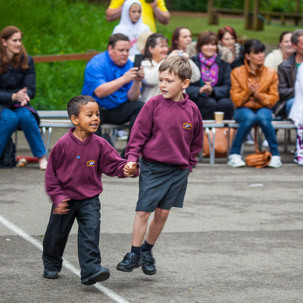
[129,262]
[265,143]
[249,140]
[101,275]
[122,135]
[235,160]
[275,162]
[298,160]
[148,263]
[50,274]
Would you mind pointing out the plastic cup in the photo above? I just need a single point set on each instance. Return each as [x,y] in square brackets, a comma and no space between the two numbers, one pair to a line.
[219,117]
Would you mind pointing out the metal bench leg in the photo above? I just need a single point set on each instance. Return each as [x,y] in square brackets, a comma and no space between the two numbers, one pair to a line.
[16,139]
[113,135]
[43,135]
[213,154]
[209,143]
[50,129]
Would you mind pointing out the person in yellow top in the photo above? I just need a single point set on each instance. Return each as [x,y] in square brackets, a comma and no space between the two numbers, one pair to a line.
[150,10]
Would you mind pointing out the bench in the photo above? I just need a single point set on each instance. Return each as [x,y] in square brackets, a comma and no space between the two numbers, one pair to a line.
[50,119]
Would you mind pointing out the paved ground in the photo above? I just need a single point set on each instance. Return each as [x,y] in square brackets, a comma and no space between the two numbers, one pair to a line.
[238,239]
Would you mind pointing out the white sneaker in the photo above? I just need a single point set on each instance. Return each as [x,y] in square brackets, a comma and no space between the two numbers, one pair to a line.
[275,162]
[122,135]
[235,160]
[249,140]
[265,143]
[298,159]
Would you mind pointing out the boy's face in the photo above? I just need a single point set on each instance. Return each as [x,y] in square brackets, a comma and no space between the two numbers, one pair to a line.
[88,119]
[135,13]
[172,86]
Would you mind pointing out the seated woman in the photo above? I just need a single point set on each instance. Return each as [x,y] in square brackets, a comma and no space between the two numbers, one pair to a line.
[17,88]
[254,91]
[211,92]
[182,44]
[182,40]
[131,24]
[285,50]
[156,50]
[229,49]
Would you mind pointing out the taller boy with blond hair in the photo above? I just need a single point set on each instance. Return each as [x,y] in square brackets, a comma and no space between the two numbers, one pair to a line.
[168,134]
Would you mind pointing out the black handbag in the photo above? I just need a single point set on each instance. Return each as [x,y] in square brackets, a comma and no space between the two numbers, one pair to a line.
[8,157]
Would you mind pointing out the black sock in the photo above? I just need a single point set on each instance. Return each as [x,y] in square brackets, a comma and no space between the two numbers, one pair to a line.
[146,246]
[136,250]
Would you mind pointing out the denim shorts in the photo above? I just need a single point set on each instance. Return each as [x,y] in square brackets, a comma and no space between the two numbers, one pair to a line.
[161,186]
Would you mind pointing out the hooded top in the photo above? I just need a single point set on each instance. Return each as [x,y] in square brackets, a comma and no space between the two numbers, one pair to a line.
[130,29]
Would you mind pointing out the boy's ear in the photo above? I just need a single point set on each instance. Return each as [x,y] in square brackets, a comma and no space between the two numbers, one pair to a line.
[185,83]
[74,119]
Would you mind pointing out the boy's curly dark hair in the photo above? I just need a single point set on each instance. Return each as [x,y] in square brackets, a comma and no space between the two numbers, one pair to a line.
[75,103]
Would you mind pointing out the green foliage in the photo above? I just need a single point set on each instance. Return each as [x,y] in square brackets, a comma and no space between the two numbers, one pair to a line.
[190,5]
[58,27]
[265,5]
[278,6]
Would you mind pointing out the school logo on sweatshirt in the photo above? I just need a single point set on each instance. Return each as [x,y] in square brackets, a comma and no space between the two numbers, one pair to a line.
[91,163]
[187,125]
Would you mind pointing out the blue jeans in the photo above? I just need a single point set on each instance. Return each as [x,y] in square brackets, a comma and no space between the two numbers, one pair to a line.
[247,118]
[288,105]
[10,120]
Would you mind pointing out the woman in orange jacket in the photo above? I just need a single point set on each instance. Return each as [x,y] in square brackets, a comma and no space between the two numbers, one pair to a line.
[254,91]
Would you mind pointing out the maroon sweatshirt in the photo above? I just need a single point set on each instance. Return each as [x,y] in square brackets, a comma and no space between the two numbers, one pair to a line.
[167,131]
[75,167]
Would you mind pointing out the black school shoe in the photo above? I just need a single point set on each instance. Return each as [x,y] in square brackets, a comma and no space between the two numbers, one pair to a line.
[148,263]
[50,274]
[129,262]
[101,275]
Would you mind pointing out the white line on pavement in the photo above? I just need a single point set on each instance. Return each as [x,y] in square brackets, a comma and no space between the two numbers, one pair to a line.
[106,291]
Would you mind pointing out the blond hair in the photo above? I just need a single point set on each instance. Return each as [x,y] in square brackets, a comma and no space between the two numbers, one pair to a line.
[178,66]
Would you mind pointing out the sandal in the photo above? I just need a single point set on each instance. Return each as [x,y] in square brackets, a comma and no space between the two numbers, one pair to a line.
[42,163]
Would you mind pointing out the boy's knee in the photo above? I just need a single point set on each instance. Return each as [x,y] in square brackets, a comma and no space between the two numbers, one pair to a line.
[161,214]
[143,215]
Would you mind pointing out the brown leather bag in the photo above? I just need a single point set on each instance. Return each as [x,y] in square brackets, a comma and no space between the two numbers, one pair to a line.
[221,142]
[259,159]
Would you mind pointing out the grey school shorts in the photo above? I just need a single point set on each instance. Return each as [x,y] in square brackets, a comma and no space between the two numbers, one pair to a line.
[161,186]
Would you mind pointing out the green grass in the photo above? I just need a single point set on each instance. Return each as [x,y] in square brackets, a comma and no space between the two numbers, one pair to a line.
[197,24]
[71,26]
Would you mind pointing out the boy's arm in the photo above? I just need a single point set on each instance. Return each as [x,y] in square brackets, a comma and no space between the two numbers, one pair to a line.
[140,133]
[110,162]
[52,184]
[197,142]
